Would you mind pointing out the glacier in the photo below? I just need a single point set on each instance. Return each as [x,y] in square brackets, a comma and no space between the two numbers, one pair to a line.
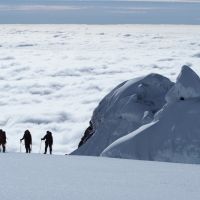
[149,118]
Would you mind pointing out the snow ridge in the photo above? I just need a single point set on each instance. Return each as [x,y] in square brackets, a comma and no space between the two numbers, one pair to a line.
[127,107]
[172,131]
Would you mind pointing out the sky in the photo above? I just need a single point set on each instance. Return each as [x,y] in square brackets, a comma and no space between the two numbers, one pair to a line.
[98,12]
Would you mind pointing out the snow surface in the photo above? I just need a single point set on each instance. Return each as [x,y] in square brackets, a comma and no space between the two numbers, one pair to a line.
[148,127]
[63,71]
[173,135]
[37,177]
[127,107]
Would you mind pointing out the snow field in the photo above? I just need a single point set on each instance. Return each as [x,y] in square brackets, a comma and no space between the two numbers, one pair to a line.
[37,177]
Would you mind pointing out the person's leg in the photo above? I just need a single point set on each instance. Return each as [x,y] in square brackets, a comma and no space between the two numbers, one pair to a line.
[45,151]
[4,148]
[50,149]
[29,148]
[26,147]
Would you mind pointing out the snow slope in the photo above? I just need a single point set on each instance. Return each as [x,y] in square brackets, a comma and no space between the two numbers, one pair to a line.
[127,107]
[174,134]
[37,177]
[174,138]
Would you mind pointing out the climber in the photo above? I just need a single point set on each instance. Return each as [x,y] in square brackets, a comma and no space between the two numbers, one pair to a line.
[48,142]
[3,140]
[27,141]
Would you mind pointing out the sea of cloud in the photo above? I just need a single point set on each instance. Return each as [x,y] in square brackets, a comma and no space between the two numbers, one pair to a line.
[53,76]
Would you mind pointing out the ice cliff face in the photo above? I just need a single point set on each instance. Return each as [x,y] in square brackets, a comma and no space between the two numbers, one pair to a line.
[127,107]
[149,118]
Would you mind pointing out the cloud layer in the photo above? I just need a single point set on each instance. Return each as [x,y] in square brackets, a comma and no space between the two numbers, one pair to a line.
[53,76]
